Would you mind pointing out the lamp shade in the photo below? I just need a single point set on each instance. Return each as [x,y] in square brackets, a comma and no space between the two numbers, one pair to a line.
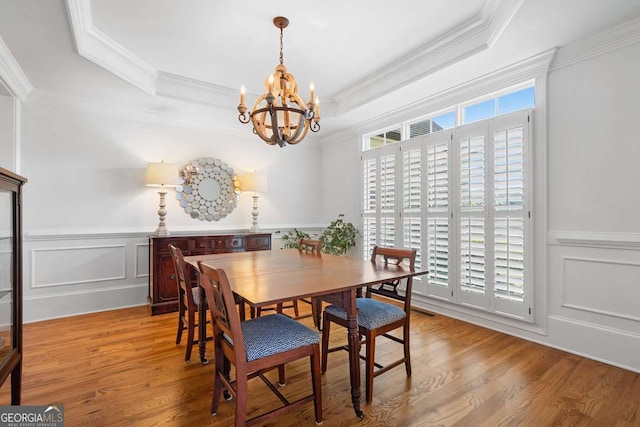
[162,174]
[254,182]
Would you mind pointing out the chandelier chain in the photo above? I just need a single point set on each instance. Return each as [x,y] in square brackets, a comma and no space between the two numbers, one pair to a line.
[281,47]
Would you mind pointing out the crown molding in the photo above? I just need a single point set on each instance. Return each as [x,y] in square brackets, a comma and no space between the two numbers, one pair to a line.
[145,115]
[610,40]
[11,75]
[463,41]
[469,38]
[188,89]
[527,69]
[95,46]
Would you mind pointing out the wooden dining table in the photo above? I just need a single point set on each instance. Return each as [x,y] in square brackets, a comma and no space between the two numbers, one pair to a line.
[265,278]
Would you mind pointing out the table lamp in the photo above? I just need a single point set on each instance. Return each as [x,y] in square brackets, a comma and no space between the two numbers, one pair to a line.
[257,183]
[161,174]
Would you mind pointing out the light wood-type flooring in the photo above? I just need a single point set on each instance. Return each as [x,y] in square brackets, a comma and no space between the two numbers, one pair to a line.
[122,368]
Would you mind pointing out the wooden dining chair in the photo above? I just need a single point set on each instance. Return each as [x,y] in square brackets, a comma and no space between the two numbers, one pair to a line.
[377,318]
[255,346]
[188,302]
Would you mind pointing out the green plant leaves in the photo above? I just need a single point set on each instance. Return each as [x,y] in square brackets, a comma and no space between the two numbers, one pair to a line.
[337,238]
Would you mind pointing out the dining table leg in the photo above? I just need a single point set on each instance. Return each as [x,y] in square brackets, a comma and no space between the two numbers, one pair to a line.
[349,301]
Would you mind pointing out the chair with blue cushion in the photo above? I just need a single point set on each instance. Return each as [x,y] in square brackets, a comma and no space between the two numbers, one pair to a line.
[255,346]
[377,318]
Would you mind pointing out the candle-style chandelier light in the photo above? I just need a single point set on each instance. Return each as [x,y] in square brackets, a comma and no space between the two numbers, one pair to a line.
[280,116]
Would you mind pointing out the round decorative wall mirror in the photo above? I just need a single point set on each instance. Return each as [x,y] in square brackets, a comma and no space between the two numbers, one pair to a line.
[208,189]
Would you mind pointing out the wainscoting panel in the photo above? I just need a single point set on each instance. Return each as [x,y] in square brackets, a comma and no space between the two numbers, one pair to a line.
[603,286]
[67,274]
[75,265]
[141,261]
[594,295]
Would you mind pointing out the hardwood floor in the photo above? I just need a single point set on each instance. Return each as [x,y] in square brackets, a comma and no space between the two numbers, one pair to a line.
[122,368]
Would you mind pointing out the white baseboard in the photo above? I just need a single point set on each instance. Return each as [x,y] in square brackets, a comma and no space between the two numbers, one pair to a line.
[612,346]
[72,304]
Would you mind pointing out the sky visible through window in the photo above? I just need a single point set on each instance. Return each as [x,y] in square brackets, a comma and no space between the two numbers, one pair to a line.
[505,104]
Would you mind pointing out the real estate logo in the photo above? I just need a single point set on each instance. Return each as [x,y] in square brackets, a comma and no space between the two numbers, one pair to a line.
[32,416]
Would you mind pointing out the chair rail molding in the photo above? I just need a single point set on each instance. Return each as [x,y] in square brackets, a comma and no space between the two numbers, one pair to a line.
[595,239]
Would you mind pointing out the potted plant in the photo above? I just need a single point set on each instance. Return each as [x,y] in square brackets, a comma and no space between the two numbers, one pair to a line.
[292,238]
[339,237]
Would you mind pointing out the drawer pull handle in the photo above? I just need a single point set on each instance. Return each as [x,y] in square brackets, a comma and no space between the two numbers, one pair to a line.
[235,242]
[172,276]
[258,241]
[202,244]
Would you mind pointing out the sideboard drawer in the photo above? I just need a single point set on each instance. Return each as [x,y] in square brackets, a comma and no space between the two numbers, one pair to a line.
[201,243]
[163,246]
[235,242]
[258,242]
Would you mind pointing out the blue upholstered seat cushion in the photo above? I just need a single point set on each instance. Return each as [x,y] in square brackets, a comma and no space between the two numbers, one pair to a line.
[276,333]
[371,313]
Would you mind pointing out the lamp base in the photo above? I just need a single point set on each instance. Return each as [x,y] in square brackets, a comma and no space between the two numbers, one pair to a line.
[161,232]
[254,213]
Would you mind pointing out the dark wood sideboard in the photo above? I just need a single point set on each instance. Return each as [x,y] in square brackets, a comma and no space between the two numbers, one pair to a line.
[163,291]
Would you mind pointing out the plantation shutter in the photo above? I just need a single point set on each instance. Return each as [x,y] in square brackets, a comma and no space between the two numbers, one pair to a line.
[472,155]
[380,176]
[438,214]
[511,214]
[461,199]
[370,208]
[412,196]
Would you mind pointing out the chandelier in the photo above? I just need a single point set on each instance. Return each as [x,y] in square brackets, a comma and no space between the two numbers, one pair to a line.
[280,116]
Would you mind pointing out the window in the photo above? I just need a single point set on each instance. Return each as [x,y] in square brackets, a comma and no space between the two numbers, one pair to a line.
[426,126]
[480,111]
[506,103]
[461,198]
[384,138]
[512,99]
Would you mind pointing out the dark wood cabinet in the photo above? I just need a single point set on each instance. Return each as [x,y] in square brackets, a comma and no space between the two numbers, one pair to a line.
[163,291]
[11,281]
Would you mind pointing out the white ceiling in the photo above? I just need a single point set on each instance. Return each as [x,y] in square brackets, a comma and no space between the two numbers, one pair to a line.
[364,56]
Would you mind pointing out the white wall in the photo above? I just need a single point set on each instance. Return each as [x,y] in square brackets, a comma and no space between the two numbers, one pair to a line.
[594,205]
[340,169]
[87,212]
[86,171]
[587,278]
[7,120]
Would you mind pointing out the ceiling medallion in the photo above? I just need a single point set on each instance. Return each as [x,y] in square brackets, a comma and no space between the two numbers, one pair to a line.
[280,116]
